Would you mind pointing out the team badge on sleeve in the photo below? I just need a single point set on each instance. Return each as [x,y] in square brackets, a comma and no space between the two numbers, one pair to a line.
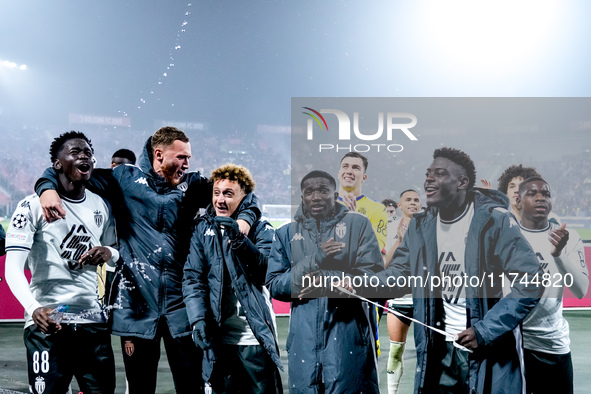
[19,221]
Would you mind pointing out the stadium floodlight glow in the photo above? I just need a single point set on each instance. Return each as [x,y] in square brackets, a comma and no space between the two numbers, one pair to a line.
[486,35]
[12,65]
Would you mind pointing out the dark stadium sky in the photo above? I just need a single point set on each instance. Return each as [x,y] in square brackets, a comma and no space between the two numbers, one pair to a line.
[236,65]
[239,63]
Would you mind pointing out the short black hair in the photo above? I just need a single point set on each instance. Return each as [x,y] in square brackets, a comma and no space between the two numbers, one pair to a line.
[357,156]
[318,174]
[513,172]
[408,190]
[58,143]
[460,158]
[531,179]
[125,154]
[389,203]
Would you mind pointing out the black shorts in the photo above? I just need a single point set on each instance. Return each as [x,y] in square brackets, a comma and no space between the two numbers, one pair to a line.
[548,373]
[80,350]
[406,310]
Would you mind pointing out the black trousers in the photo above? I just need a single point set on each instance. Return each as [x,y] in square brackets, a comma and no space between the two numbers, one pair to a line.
[548,373]
[245,369]
[141,357]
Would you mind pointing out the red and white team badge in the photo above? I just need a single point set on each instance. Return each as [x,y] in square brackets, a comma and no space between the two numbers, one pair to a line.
[129,348]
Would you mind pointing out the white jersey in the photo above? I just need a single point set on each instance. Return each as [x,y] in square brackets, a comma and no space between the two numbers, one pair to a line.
[545,329]
[451,246]
[55,248]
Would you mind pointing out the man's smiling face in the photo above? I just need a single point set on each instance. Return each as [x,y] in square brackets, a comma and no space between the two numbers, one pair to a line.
[351,174]
[75,160]
[443,182]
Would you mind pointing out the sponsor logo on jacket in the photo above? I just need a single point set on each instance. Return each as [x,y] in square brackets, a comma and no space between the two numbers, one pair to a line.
[142,181]
[297,237]
[210,232]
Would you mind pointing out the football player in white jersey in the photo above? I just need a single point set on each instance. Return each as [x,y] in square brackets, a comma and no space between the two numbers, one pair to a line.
[66,332]
[509,182]
[410,203]
[548,363]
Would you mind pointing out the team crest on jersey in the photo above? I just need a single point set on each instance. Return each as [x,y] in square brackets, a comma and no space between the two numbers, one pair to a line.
[40,384]
[297,237]
[19,221]
[98,218]
[25,204]
[183,186]
[340,229]
[362,211]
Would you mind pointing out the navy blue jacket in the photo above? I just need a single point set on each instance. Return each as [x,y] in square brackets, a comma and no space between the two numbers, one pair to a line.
[215,266]
[154,223]
[330,340]
[494,246]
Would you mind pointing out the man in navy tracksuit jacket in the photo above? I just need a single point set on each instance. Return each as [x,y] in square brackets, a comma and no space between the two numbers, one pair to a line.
[224,291]
[154,205]
[330,343]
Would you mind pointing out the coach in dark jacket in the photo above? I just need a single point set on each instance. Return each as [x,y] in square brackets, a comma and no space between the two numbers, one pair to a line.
[330,343]
[224,291]
[154,205]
